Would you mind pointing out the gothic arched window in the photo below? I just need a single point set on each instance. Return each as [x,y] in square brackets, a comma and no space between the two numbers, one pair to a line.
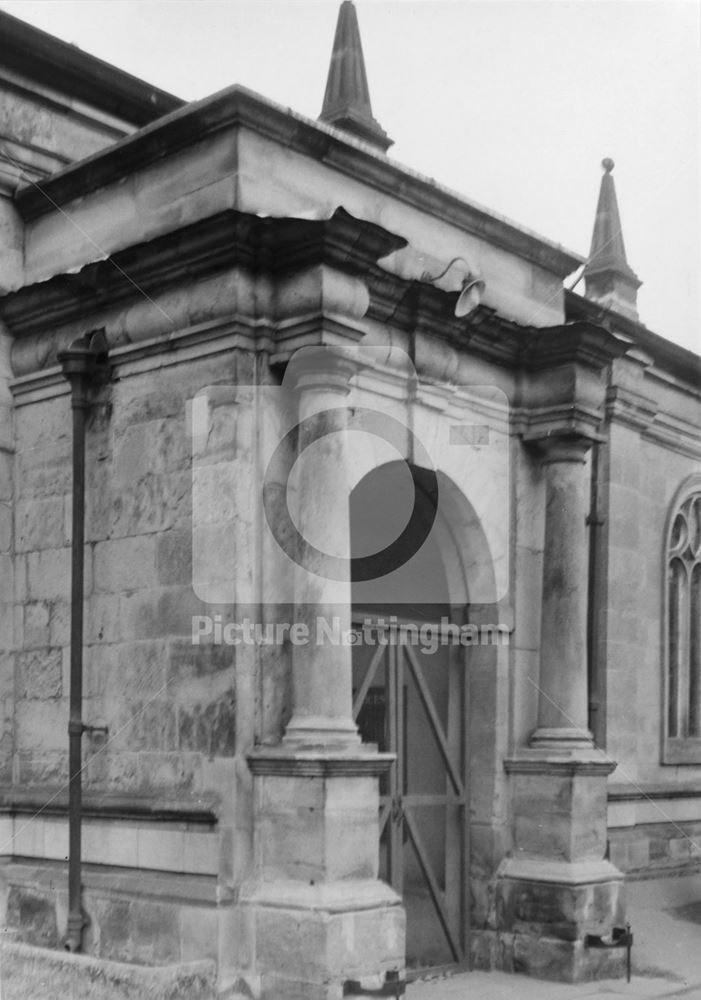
[682,627]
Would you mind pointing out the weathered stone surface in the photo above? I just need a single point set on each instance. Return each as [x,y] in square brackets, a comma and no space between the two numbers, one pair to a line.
[42,766]
[48,574]
[565,912]
[44,975]
[174,558]
[124,564]
[33,915]
[560,816]
[151,724]
[39,674]
[187,662]
[40,524]
[160,612]
[5,527]
[317,829]
[209,727]
[310,952]
[41,724]
[564,961]
[657,846]
[102,674]
[176,771]
[36,624]
[6,581]
[140,668]
[103,618]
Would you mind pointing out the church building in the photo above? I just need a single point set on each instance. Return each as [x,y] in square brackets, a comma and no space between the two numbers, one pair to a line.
[350,558]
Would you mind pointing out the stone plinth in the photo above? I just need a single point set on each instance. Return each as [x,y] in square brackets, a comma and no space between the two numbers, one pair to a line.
[558,888]
[316,913]
[308,940]
[560,809]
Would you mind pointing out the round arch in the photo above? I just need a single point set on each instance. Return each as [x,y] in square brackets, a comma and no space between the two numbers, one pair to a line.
[452,568]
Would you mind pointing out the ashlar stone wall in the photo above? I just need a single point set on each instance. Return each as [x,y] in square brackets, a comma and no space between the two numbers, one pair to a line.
[179,716]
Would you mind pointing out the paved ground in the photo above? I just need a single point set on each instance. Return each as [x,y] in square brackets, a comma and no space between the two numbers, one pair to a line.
[665,916]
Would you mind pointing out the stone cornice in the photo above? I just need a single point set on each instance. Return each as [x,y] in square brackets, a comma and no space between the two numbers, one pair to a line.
[138,293]
[670,381]
[220,242]
[422,309]
[675,435]
[626,406]
[290,282]
[580,343]
[155,272]
[677,360]
[237,106]
[157,353]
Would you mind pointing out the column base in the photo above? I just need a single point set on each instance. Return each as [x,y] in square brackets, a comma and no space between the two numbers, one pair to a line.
[558,889]
[546,911]
[551,738]
[307,941]
[320,732]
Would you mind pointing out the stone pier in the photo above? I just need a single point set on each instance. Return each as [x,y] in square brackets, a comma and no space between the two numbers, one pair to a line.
[558,889]
[317,915]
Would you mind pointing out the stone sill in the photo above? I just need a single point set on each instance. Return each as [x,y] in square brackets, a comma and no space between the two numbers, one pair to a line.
[660,869]
[643,793]
[51,801]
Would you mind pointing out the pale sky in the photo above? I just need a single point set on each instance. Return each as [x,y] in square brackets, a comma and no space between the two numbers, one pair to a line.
[513,103]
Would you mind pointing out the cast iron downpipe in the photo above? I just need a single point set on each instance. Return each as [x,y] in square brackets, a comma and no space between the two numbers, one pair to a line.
[82,363]
[595,522]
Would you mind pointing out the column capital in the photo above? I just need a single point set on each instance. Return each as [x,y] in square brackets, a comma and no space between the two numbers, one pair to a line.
[565,382]
[321,369]
[563,448]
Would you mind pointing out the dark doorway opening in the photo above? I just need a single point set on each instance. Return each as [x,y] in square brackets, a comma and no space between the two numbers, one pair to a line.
[410,698]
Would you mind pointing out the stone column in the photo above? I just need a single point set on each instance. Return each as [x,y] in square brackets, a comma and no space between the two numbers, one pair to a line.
[562,695]
[322,672]
[556,894]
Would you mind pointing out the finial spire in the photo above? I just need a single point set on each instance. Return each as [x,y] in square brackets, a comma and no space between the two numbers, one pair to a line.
[347,97]
[609,279]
